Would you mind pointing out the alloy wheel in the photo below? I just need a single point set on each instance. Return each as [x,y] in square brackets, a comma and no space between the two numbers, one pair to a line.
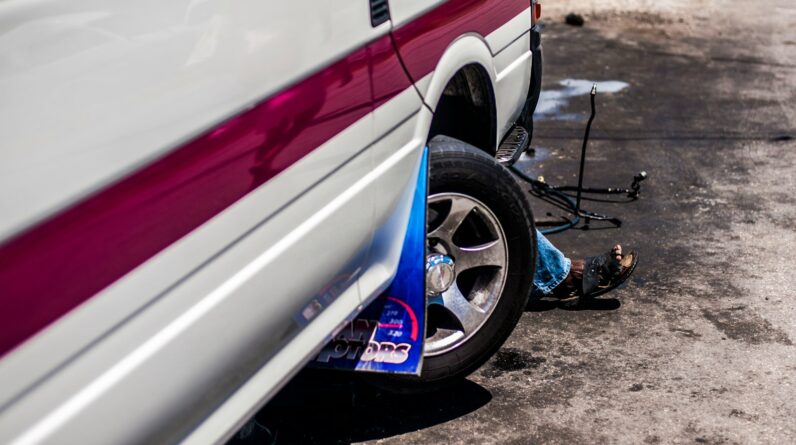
[464,237]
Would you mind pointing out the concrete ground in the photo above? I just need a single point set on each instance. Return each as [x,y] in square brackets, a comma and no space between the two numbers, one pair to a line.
[699,346]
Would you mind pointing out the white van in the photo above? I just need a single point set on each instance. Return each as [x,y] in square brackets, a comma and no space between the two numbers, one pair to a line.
[180,178]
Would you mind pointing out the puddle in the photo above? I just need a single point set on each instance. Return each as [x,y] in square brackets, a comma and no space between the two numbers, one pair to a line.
[532,163]
[552,102]
[539,154]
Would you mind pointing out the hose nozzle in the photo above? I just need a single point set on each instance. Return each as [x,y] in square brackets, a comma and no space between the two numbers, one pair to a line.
[635,187]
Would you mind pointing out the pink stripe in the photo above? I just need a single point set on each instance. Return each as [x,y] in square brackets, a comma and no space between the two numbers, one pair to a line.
[422,42]
[58,264]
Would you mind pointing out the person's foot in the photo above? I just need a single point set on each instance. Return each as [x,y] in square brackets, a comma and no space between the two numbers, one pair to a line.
[605,273]
[569,289]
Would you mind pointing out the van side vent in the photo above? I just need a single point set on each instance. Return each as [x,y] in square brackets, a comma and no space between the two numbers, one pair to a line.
[379,12]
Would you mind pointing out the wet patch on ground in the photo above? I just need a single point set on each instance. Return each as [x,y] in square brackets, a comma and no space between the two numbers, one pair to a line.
[738,323]
[511,360]
[551,102]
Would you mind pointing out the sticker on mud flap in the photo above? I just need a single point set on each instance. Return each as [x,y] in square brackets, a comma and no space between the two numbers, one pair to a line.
[388,335]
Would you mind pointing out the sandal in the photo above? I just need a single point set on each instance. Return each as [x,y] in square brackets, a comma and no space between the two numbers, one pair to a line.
[605,273]
[597,275]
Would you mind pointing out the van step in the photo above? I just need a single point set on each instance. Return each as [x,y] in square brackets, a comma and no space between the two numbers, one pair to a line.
[512,146]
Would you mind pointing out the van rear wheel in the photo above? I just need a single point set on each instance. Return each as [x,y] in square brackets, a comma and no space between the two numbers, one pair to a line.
[481,258]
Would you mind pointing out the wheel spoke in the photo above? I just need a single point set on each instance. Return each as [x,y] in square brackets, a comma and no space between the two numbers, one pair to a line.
[486,245]
[446,336]
[460,208]
[468,315]
[492,253]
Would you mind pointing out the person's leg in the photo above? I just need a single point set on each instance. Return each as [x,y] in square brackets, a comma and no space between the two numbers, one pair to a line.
[558,276]
[552,266]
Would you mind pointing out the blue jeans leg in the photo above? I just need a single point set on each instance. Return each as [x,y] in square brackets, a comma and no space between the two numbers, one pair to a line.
[551,266]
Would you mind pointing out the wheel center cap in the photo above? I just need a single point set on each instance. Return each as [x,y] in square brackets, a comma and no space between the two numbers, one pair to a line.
[440,273]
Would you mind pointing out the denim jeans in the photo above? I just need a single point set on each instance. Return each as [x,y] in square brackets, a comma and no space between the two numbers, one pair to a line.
[551,266]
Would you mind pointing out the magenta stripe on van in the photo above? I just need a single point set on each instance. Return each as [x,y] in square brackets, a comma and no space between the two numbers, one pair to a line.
[63,261]
[55,266]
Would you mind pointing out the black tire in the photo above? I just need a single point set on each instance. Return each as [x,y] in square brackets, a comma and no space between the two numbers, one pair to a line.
[457,167]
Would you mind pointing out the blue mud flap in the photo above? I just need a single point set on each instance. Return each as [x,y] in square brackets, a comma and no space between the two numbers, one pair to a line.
[387,336]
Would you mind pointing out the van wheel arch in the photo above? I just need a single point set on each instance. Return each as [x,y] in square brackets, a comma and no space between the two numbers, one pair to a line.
[467,109]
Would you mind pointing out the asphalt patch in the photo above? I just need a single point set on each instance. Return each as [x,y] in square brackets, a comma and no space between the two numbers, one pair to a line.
[740,324]
[511,360]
